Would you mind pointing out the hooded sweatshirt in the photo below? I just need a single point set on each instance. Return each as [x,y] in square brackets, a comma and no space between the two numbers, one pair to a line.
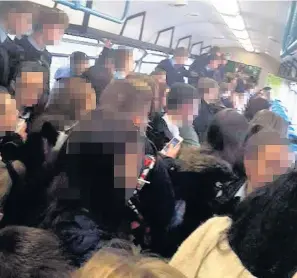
[206,253]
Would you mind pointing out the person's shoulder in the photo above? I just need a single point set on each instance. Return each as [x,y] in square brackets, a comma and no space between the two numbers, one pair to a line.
[217,224]
[164,64]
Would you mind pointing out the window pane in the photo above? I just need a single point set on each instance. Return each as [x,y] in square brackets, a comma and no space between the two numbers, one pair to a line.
[68,48]
[92,62]
[154,58]
[189,62]
[137,54]
[147,68]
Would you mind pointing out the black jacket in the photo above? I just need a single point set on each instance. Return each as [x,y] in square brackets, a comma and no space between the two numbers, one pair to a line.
[158,132]
[33,54]
[79,234]
[15,56]
[204,118]
[174,73]
[201,178]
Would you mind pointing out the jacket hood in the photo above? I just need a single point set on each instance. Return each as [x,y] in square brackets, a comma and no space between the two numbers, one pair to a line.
[203,160]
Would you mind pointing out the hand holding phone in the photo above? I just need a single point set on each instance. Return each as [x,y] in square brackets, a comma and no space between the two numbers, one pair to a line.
[172,147]
[21,129]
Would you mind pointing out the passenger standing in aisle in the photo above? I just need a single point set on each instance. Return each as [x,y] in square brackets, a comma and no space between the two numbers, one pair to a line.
[79,63]
[123,59]
[175,67]
[15,19]
[48,29]
[203,67]
[210,105]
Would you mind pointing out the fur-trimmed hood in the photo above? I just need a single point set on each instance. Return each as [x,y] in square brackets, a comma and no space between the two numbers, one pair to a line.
[204,160]
[201,176]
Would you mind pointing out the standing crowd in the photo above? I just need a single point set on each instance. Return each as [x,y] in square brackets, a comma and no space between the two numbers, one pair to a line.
[92,182]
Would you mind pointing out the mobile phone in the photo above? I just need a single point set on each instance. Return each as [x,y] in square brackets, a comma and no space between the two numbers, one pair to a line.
[175,141]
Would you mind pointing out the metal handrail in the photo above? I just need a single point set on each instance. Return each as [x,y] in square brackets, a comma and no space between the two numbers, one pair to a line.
[76,5]
[290,42]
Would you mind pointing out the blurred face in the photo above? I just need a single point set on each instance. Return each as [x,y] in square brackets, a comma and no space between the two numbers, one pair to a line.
[127,167]
[271,161]
[80,67]
[214,64]
[181,60]
[29,87]
[109,64]
[190,111]
[224,62]
[9,113]
[211,95]
[19,23]
[52,34]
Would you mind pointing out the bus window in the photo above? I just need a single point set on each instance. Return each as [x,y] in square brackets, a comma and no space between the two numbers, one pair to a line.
[147,68]
[67,48]
[57,62]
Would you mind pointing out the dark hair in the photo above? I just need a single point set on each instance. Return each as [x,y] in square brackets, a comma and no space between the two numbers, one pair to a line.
[255,105]
[31,66]
[50,16]
[226,134]
[28,253]
[99,77]
[215,49]
[7,7]
[179,94]
[78,57]
[180,52]
[263,231]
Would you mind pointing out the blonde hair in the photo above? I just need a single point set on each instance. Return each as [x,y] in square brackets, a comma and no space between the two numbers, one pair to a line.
[118,263]
[153,84]
[68,99]
[126,96]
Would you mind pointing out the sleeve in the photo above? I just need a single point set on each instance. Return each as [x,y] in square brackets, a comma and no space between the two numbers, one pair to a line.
[191,253]
[80,237]
[162,65]
[189,135]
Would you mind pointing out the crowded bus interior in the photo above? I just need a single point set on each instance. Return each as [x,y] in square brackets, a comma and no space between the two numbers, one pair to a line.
[148,139]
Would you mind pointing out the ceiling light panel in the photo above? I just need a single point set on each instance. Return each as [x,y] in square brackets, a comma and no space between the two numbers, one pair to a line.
[228,7]
[229,10]
[234,22]
[249,48]
[243,35]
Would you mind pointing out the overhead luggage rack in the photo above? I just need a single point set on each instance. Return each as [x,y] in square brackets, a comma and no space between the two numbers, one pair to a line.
[77,5]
